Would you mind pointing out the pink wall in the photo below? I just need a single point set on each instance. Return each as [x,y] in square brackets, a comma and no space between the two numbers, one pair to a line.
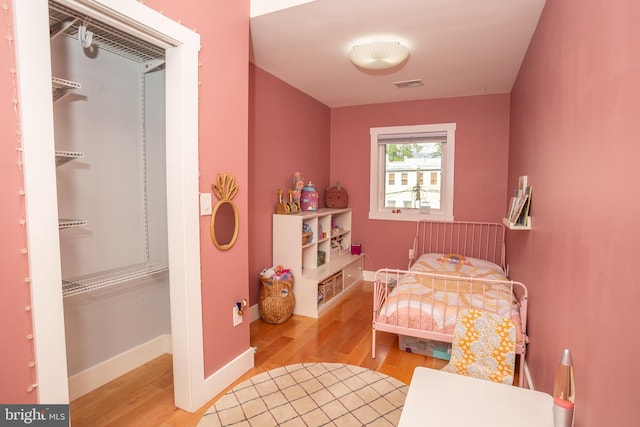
[16,350]
[289,132]
[223,123]
[482,139]
[223,148]
[574,132]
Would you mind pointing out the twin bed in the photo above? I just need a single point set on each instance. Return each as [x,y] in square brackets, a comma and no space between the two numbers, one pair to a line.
[461,265]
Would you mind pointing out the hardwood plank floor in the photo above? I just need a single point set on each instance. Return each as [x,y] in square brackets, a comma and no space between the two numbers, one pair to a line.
[144,396]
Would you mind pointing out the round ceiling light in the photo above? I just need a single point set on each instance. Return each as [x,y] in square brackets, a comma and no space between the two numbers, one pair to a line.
[378,55]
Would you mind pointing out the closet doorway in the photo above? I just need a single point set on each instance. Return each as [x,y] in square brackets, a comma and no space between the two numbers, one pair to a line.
[37,90]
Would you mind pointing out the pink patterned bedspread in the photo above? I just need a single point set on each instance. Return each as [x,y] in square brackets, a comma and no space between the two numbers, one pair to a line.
[431,302]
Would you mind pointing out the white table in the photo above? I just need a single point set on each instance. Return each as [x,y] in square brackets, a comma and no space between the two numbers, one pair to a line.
[439,398]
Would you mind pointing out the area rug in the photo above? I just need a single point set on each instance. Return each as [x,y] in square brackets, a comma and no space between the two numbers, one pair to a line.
[311,394]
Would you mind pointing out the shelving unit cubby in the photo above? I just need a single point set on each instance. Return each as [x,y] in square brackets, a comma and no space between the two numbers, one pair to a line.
[331,236]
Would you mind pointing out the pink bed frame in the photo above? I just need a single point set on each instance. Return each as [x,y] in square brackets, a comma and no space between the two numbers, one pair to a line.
[480,240]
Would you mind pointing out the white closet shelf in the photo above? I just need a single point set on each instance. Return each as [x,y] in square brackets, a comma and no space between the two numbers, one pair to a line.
[63,157]
[68,223]
[90,282]
[61,87]
[64,20]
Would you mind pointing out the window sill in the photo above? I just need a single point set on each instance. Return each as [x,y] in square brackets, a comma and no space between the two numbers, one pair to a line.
[409,216]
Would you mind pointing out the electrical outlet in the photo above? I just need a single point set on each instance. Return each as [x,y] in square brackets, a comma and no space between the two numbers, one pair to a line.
[411,253]
[237,318]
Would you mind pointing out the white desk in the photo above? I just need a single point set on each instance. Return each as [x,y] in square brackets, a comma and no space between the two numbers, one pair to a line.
[439,398]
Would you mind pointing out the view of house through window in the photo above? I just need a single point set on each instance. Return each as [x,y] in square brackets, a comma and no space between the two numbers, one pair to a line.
[412,161]
[412,172]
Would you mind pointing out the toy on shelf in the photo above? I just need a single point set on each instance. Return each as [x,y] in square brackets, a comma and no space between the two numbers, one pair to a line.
[292,206]
[309,198]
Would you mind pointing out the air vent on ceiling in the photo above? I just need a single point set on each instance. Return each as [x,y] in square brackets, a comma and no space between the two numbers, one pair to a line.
[409,83]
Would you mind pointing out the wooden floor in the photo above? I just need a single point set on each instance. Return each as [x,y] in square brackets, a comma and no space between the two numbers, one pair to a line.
[144,397]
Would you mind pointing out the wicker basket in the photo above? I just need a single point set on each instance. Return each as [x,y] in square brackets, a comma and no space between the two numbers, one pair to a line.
[276,300]
[330,287]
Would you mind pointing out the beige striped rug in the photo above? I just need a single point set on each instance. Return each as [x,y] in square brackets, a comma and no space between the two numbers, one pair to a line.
[311,394]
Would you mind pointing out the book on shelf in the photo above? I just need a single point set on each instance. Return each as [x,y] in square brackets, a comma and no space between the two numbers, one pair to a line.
[520,204]
[523,182]
[523,218]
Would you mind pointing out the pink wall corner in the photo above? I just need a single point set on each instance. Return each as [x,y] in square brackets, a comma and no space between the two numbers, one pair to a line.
[482,133]
[15,322]
[574,133]
[289,132]
[223,123]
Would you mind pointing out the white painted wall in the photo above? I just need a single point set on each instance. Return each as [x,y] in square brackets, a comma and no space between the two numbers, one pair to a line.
[104,119]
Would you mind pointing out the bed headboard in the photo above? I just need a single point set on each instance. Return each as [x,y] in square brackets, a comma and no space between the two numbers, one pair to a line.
[483,240]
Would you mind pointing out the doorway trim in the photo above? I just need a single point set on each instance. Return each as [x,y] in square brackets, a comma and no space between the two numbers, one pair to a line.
[33,59]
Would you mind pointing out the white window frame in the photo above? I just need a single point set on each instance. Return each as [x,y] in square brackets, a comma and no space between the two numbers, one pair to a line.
[377,177]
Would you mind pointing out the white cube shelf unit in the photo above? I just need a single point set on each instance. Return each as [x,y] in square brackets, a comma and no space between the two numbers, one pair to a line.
[331,239]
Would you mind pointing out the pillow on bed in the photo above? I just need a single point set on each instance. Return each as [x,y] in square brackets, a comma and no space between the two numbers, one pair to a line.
[459,263]
[454,259]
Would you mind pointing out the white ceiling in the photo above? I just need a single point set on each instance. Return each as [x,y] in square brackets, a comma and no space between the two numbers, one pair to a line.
[458,47]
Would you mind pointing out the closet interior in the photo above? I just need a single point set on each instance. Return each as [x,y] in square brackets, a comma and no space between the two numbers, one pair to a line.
[109,119]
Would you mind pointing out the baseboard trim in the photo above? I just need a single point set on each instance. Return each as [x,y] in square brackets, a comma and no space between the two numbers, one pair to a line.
[228,374]
[527,375]
[100,374]
[369,276]
[254,313]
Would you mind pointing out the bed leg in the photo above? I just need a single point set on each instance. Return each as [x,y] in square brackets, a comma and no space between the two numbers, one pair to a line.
[373,343]
[521,373]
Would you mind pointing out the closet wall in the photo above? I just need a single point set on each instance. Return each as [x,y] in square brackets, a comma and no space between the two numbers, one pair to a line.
[116,120]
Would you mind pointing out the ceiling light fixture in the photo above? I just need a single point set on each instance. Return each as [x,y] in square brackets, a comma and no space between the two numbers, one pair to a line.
[378,55]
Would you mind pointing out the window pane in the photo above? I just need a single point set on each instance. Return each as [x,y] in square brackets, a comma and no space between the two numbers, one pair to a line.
[411,161]
[412,168]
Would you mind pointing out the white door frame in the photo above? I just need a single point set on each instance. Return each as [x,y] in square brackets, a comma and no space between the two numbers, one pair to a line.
[33,60]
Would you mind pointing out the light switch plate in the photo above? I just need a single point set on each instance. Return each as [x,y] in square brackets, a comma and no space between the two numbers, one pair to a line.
[205,204]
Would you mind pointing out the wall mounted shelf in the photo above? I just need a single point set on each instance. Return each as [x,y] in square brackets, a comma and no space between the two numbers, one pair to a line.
[63,157]
[512,226]
[103,279]
[61,87]
[68,223]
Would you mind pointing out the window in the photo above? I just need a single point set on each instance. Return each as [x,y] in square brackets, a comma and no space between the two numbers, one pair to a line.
[412,152]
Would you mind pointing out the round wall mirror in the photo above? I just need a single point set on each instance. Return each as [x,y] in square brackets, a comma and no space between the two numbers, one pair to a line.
[224,219]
